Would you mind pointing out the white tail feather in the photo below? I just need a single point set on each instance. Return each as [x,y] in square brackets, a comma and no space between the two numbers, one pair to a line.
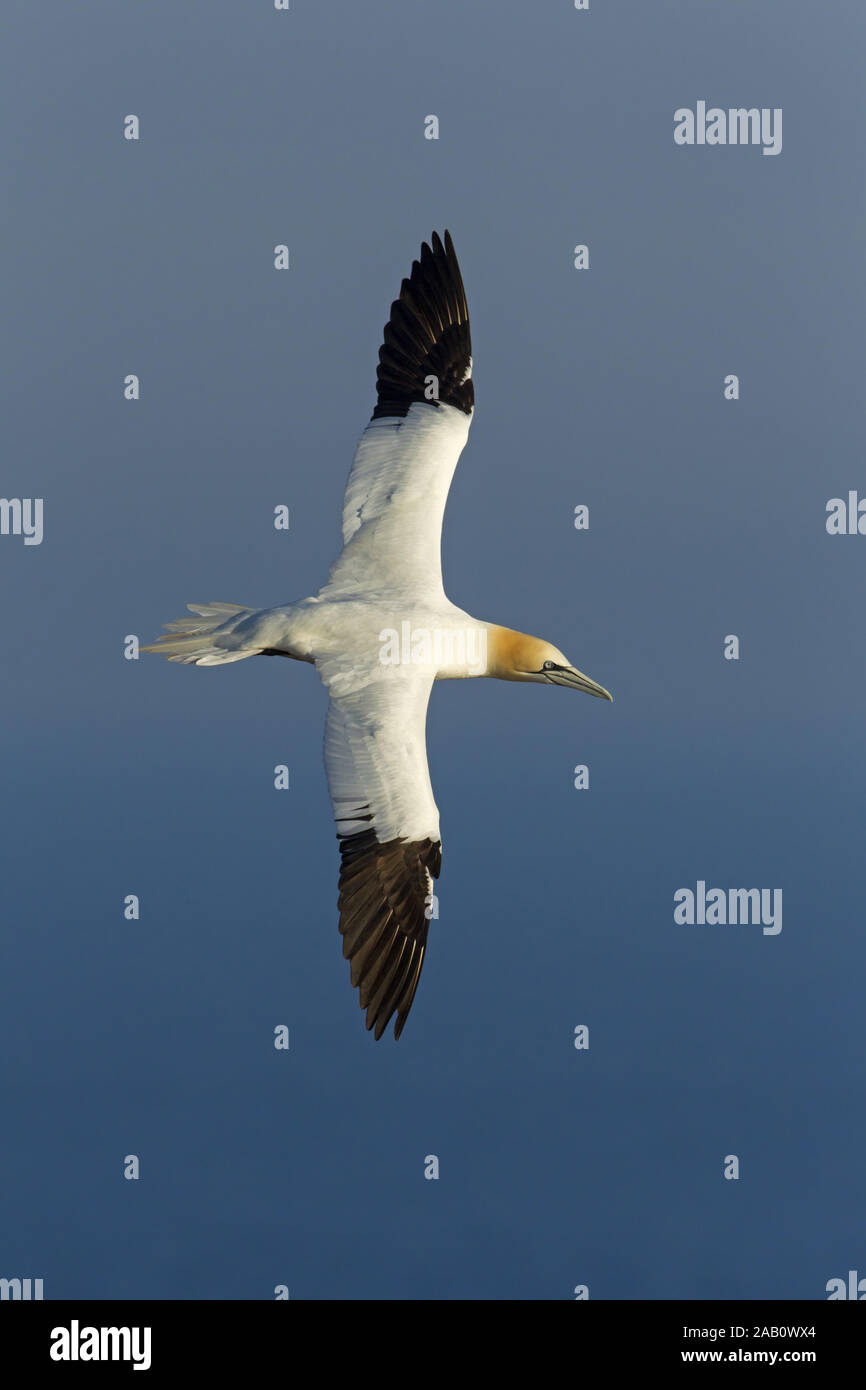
[207,640]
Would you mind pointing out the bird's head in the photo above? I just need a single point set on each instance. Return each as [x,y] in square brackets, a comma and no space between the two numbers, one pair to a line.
[514,656]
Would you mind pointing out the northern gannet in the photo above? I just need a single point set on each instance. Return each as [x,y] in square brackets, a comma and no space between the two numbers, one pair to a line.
[381,631]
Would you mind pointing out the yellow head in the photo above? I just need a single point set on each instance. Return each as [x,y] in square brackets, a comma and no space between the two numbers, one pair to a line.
[515,656]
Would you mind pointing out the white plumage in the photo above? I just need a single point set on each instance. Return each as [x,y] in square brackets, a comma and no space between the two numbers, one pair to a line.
[388,580]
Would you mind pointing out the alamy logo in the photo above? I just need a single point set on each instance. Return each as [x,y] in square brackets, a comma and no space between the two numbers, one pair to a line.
[855,1287]
[75,1343]
[22,516]
[717,907]
[446,647]
[21,1288]
[737,126]
[846,520]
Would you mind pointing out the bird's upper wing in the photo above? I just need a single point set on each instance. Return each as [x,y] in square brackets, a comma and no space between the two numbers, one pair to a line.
[388,828]
[405,460]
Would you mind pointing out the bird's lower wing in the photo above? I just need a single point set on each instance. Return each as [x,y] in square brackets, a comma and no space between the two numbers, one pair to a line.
[388,828]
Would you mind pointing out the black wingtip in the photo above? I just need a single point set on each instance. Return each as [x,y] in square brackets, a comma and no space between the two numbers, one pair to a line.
[383,921]
[426,355]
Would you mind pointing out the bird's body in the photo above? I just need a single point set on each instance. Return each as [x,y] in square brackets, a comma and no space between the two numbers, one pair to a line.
[348,638]
[380,633]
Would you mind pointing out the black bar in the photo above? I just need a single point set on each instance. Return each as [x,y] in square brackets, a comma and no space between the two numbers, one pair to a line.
[222,1338]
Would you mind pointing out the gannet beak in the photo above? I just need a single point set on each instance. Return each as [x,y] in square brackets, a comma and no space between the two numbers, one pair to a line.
[576,680]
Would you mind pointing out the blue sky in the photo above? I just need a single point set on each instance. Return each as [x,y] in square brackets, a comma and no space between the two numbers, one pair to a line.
[707,517]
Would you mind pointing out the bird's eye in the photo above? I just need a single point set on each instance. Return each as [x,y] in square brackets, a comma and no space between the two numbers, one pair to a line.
[548,666]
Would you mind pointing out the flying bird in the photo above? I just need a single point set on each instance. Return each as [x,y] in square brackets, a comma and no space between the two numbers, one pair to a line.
[382,630]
